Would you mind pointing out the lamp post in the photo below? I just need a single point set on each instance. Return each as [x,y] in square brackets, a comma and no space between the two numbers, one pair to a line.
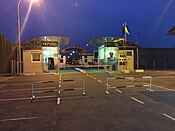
[19,38]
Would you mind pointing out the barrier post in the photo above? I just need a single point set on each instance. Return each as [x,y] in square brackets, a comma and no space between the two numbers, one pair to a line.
[58,90]
[150,83]
[107,90]
[83,85]
[129,78]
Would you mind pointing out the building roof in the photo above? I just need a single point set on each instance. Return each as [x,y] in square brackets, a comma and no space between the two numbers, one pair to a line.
[117,41]
[171,31]
[37,43]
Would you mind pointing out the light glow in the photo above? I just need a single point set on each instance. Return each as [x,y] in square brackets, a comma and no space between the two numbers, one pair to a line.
[27,15]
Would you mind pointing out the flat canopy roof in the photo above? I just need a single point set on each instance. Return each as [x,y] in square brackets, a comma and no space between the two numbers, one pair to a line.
[37,43]
[171,31]
[118,41]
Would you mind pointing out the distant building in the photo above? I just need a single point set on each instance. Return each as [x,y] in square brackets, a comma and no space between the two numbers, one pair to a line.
[157,58]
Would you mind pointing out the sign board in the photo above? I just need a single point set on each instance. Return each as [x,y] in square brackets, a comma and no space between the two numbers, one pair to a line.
[49,44]
[58,39]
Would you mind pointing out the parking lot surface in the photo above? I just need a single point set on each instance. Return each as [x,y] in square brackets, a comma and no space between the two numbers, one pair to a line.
[125,109]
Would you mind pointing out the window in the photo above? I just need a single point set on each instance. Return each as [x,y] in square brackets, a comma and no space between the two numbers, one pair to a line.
[85,56]
[129,53]
[36,57]
[85,60]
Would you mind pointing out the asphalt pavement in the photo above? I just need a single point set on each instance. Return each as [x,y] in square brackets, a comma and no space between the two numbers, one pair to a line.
[123,109]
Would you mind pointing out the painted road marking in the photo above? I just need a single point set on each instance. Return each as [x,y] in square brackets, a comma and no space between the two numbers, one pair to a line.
[60,82]
[19,119]
[94,78]
[58,100]
[100,81]
[13,90]
[1,86]
[170,117]
[26,98]
[137,100]
[118,90]
[163,88]
[15,99]
[6,79]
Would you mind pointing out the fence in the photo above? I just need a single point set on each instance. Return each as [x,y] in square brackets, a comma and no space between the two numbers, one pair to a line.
[108,87]
[53,86]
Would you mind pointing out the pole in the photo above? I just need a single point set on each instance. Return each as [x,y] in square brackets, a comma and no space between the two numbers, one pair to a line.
[125,49]
[58,68]
[137,58]
[19,38]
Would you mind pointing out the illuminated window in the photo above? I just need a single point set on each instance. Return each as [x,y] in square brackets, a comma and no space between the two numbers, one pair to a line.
[129,53]
[36,57]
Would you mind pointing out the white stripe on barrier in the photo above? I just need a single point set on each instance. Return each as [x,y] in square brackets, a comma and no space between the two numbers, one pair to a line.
[131,86]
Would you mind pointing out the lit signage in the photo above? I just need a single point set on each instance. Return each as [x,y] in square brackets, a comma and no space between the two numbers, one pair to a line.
[50,44]
[111,44]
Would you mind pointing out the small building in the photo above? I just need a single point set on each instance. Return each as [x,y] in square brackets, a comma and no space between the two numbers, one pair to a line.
[119,53]
[43,54]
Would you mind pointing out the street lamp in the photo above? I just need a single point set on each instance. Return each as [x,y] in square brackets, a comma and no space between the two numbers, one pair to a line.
[19,39]
[19,36]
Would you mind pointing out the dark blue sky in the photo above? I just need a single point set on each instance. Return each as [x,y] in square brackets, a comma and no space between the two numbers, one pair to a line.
[83,20]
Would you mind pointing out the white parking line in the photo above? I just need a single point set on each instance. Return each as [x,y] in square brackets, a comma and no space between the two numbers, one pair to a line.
[118,90]
[1,86]
[170,117]
[137,100]
[19,119]
[94,78]
[58,100]
[6,79]
[100,81]
[15,99]
[163,88]
[13,90]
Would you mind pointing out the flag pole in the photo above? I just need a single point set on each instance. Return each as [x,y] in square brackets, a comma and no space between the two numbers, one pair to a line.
[125,49]
[123,29]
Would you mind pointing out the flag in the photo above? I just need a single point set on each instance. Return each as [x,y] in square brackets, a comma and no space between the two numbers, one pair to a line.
[125,29]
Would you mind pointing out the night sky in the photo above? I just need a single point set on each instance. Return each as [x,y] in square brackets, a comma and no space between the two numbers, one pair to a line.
[83,20]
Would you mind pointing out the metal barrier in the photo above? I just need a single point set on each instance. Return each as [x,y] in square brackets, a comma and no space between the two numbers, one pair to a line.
[59,90]
[108,87]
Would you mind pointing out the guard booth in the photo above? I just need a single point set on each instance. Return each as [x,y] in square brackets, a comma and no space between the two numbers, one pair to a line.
[43,54]
[112,51]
